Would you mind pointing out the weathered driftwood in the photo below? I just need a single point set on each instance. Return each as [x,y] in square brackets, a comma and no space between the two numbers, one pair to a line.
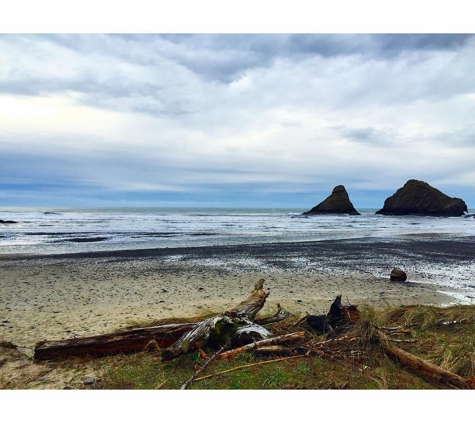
[274,351]
[447,323]
[216,330]
[279,316]
[101,345]
[283,339]
[249,334]
[428,371]
[250,306]
[219,330]
[398,328]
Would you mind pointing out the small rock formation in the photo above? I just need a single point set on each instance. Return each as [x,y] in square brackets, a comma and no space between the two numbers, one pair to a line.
[397,275]
[337,203]
[420,198]
[89,381]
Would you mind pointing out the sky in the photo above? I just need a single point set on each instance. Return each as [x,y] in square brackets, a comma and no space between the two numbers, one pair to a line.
[233,119]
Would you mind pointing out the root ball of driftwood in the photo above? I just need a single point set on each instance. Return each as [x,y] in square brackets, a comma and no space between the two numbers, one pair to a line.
[338,317]
[342,315]
[320,325]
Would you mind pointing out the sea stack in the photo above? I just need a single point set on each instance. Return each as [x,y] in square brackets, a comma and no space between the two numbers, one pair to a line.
[337,203]
[420,198]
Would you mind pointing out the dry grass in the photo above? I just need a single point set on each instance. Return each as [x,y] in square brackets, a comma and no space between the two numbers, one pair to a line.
[354,360]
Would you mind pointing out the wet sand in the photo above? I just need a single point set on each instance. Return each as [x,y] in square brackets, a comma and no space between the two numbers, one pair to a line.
[63,296]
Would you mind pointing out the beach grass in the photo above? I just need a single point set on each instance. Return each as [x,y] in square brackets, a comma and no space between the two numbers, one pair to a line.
[360,364]
[444,336]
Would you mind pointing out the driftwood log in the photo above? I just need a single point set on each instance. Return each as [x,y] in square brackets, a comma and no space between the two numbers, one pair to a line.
[428,371]
[107,344]
[220,329]
[173,339]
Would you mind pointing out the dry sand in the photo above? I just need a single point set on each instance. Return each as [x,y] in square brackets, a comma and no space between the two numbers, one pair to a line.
[59,298]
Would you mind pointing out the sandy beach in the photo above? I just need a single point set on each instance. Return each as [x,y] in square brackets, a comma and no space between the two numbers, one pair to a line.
[58,297]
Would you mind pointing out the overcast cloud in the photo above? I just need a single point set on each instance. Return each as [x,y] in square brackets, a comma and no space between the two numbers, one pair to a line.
[233,120]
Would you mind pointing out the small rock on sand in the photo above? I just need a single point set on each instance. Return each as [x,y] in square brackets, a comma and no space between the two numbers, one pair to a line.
[89,381]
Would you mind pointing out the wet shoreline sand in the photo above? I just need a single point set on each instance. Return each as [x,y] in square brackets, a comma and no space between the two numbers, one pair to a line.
[63,296]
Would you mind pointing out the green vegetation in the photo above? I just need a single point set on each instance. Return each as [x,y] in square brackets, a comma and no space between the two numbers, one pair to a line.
[354,360]
[355,363]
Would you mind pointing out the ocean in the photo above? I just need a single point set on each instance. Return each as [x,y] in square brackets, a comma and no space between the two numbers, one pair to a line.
[72,230]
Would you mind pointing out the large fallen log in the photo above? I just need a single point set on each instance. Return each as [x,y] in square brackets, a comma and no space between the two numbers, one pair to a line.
[215,330]
[428,371]
[107,344]
[220,329]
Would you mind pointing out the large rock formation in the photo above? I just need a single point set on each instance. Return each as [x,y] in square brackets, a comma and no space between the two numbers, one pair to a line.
[337,203]
[420,198]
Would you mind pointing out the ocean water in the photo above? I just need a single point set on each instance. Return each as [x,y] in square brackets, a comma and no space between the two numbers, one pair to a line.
[56,231]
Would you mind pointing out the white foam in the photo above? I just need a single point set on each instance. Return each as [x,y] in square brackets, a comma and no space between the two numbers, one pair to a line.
[459,298]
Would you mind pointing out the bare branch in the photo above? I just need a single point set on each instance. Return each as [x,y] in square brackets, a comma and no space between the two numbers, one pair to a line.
[248,366]
[207,363]
[286,338]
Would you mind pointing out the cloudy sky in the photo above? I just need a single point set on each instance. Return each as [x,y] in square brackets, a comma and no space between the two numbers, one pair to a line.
[264,120]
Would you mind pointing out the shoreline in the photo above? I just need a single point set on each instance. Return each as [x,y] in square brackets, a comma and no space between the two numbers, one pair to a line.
[456,247]
[434,240]
[63,296]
